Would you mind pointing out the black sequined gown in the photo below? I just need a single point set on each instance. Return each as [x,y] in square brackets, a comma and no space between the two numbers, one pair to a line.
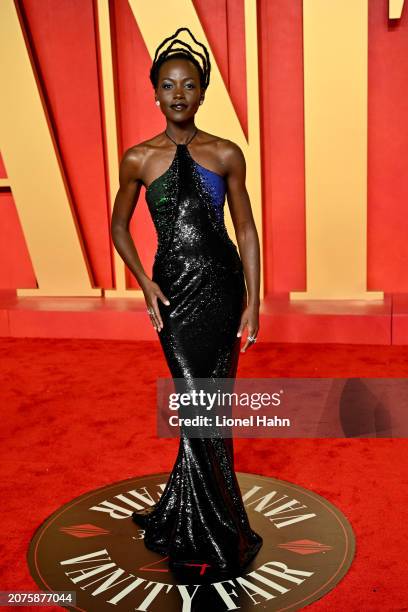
[200,516]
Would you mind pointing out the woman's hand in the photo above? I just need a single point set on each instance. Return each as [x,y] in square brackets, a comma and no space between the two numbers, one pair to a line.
[151,292]
[249,317]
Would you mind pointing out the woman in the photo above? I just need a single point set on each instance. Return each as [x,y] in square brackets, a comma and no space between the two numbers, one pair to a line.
[196,300]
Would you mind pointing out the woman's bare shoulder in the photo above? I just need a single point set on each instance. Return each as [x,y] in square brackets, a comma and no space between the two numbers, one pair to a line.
[226,151]
[135,157]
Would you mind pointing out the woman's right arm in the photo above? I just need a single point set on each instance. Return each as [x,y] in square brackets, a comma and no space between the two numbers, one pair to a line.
[124,205]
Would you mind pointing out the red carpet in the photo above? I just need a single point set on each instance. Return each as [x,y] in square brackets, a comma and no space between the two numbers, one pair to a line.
[79,414]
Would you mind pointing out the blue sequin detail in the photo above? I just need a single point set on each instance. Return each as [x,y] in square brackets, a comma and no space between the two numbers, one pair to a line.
[215,183]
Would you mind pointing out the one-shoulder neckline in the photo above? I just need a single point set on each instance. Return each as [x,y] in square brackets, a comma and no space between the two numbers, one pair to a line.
[196,163]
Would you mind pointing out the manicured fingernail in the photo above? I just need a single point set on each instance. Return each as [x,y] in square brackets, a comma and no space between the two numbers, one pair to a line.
[167,303]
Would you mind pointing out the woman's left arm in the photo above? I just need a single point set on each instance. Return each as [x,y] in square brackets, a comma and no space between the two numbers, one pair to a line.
[246,233]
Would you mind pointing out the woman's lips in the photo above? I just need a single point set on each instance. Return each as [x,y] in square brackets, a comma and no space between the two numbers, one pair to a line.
[178,107]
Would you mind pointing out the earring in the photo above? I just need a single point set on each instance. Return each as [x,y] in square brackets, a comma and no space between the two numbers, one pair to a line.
[158,102]
[201,101]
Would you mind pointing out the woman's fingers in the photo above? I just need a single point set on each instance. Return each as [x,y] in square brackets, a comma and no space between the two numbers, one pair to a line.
[153,307]
[155,316]
[251,338]
[163,298]
[242,325]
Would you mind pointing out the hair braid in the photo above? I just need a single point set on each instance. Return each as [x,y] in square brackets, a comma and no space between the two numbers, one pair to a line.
[187,53]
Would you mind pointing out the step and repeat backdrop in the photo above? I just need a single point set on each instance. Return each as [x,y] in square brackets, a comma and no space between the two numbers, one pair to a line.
[313,92]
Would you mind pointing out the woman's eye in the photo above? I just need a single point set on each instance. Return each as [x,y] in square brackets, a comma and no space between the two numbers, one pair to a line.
[167,85]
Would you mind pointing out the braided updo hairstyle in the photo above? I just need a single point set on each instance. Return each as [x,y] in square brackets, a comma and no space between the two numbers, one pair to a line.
[204,68]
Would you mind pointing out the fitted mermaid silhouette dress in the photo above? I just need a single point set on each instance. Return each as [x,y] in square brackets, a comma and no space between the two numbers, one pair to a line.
[200,516]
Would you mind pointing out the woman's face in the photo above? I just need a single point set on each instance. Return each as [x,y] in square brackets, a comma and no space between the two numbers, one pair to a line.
[179,90]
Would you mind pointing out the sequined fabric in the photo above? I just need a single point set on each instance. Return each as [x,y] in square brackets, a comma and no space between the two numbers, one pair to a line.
[200,516]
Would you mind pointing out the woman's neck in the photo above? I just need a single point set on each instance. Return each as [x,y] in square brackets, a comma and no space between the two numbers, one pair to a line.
[181,133]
